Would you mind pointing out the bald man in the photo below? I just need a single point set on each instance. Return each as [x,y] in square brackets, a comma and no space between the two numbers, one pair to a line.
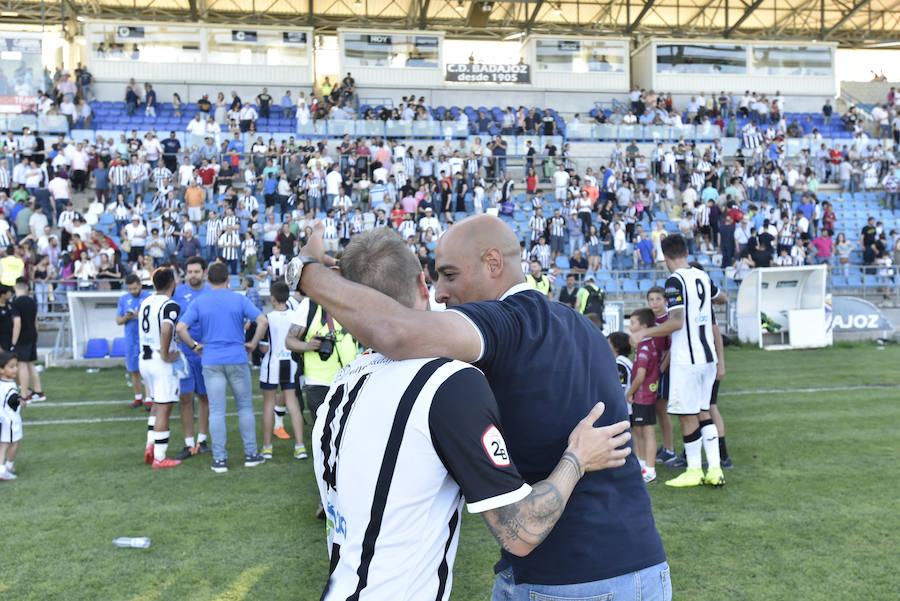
[547,366]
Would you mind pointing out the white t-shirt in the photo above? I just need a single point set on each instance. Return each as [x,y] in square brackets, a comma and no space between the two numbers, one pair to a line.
[197,127]
[185,174]
[561,179]
[136,234]
[333,182]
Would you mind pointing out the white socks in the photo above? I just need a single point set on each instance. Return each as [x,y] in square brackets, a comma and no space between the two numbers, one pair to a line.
[189,442]
[710,435]
[151,423]
[160,445]
[692,450]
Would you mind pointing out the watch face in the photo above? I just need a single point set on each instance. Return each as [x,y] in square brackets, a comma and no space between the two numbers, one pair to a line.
[292,273]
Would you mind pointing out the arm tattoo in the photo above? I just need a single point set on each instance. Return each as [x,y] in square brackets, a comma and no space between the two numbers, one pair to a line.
[530,520]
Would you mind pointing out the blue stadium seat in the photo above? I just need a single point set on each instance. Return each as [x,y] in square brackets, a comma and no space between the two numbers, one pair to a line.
[96,348]
[118,347]
[562,262]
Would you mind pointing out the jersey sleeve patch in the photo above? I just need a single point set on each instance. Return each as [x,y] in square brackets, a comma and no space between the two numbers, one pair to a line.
[464,425]
[674,292]
[171,311]
[495,446]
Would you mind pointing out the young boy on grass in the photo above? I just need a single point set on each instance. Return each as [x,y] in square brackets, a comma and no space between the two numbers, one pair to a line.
[641,395]
[10,418]
[278,369]
[656,300]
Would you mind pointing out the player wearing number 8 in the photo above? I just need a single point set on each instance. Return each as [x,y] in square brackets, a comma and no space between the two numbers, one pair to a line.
[689,297]
[160,359]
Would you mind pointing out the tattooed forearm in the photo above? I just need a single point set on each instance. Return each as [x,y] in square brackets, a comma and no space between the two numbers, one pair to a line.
[522,526]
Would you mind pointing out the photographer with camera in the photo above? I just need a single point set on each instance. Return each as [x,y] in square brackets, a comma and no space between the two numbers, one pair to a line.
[326,347]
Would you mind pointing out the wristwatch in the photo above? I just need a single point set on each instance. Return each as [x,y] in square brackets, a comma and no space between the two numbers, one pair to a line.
[195,345]
[295,269]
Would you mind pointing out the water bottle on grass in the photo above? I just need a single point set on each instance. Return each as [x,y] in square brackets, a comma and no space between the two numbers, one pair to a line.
[141,542]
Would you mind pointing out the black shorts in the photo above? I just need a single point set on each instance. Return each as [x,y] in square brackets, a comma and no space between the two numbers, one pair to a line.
[282,385]
[704,230]
[315,396]
[643,415]
[662,391]
[714,397]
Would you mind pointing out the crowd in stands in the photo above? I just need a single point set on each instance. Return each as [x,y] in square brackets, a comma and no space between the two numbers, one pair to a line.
[153,201]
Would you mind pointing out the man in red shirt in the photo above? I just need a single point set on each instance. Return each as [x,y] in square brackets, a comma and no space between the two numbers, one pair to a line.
[735,212]
[208,177]
[828,218]
[836,158]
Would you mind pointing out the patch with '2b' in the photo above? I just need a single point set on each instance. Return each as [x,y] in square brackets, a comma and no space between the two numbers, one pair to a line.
[495,446]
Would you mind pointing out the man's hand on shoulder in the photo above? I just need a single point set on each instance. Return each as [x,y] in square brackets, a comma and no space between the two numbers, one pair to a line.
[599,448]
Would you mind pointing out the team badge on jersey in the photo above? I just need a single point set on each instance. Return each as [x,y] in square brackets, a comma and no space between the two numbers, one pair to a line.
[495,447]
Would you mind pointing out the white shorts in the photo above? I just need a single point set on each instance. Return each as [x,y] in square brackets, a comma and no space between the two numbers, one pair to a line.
[690,388]
[161,379]
[10,425]
[195,213]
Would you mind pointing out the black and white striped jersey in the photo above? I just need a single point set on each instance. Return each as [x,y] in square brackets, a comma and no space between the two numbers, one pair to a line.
[691,289]
[154,310]
[624,367]
[397,446]
[276,366]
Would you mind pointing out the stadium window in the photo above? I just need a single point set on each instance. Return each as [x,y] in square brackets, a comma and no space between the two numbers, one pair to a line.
[580,56]
[792,60]
[256,47]
[724,59]
[153,44]
[391,51]
[174,44]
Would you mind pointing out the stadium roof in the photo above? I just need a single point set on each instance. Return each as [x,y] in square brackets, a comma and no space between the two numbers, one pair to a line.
[857,23]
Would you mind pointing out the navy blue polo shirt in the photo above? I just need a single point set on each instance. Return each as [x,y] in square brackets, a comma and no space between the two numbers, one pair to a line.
[548,365]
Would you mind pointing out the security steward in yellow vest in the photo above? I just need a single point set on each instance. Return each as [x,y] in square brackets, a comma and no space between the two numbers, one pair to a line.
[11,267]
[537,280]
[326,348]
[591,298]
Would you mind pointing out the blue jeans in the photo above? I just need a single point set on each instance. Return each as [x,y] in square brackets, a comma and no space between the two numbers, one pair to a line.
[649,584]
[237,375]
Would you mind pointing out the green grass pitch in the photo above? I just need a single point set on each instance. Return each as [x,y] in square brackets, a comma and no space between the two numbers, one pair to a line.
[810,512]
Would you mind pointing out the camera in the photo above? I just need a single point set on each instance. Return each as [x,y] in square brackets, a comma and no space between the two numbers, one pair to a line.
[327,346]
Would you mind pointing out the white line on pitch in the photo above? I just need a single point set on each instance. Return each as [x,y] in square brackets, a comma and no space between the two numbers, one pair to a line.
[76,403]
[786,390]
[100,420]
[125,403]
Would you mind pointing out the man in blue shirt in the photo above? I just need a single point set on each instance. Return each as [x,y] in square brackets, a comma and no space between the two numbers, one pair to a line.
[220,314]
[287,105]
[127,315]
[237,144]
[171,147]
[185,294]
[547,365]
[645,250]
